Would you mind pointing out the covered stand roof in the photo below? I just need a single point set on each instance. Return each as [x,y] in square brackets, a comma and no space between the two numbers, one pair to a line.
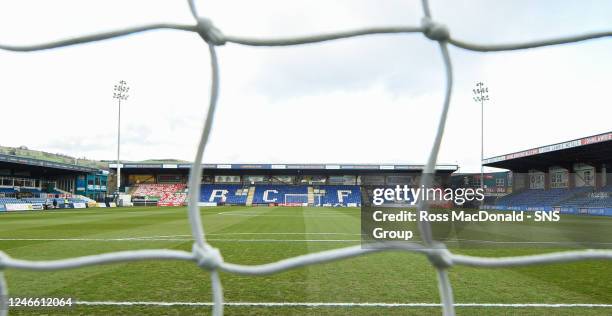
[594,150]
[41,167]
[283,168]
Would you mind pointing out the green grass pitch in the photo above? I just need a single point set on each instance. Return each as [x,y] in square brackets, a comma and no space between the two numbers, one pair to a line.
[253,235]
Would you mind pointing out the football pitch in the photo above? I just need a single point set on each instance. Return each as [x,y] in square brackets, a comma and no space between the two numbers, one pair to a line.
[386,283]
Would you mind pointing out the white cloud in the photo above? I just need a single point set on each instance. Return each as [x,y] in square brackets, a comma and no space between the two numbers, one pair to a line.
[371,99]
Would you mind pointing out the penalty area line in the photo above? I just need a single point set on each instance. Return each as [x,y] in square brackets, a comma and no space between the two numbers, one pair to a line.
[340,304]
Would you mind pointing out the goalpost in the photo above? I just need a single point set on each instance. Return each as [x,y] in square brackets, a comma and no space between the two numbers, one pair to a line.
[295,199]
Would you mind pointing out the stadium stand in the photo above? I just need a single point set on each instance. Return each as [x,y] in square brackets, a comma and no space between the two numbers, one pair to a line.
[167,194]
[34,200]
[540,197]
[269,184]
[175,199]
[157,189]
[61,202]
[266,194]
[8,200]
[331,195]
[571,177]
[30,190]
[7,190]
[228,193]
[599,198]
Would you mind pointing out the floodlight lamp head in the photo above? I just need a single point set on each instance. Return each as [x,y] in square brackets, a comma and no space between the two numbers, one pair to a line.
[121,90]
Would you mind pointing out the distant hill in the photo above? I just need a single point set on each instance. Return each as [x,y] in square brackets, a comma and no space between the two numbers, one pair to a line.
[149,161]
[23,151]
[165,161]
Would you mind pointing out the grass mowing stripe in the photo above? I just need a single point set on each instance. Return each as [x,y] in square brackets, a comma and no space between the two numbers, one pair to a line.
[382,277]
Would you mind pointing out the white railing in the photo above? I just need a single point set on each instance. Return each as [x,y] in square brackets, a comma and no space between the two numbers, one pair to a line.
[210,259]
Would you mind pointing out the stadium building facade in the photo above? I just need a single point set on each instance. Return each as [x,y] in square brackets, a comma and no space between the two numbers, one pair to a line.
[495,183]
[268,184]
[572,177]
[27,183]
[93,185]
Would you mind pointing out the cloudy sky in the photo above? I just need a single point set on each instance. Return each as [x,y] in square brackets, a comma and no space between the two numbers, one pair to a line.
[370,99]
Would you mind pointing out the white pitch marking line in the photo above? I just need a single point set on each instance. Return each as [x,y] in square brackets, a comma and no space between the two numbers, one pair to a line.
[85,239]
[339,304]
[188,238]
[265,214]
[221,234]
[179,239]
[525,242]
[279,215]
[246,233]
[284,240]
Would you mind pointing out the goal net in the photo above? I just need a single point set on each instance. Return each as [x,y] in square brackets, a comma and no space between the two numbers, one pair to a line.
[210,259]
[293,199]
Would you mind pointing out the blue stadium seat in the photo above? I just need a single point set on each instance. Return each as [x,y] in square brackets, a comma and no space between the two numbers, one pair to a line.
[33,200]
[234,193]
[337,195]
[9,200]
[541,198]
[265,194]
[600,198]
[30,190]
[7,190]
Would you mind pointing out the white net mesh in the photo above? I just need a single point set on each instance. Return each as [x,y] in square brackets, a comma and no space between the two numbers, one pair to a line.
[209,258]
[296,198]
